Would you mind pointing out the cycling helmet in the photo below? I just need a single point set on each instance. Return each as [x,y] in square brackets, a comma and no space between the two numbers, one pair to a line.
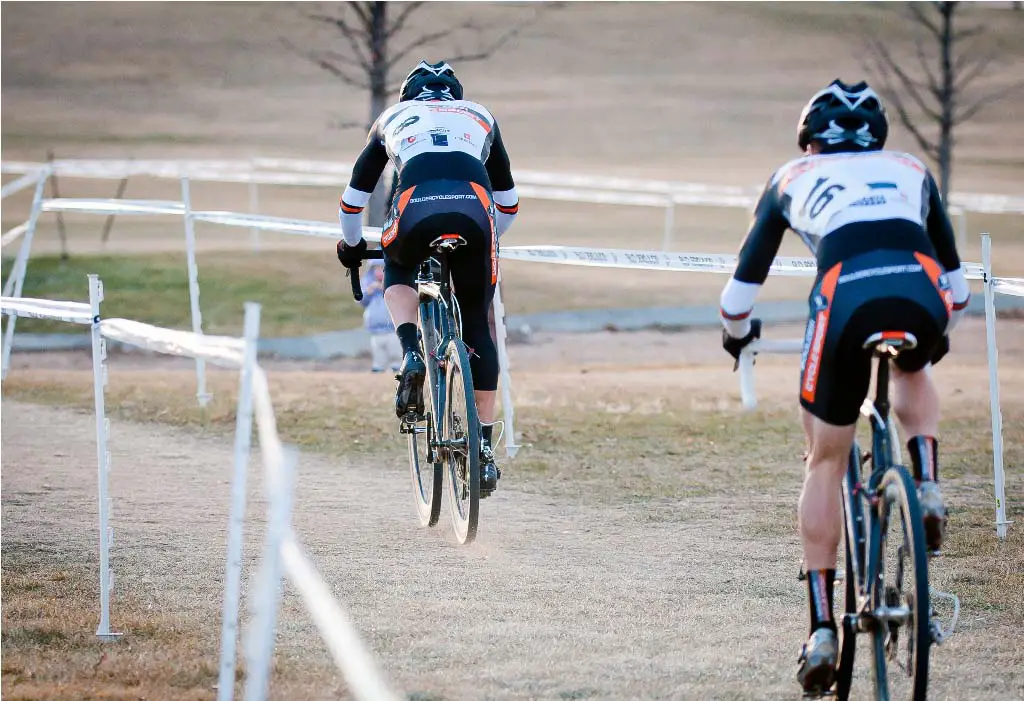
[844,118]
[431,81]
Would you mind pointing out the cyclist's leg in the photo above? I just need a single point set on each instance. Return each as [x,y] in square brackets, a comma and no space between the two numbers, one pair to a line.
[916,403]
[402,255]
[833,381]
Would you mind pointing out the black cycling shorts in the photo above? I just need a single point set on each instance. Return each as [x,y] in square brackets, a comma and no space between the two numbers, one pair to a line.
[423,212]
[884,290]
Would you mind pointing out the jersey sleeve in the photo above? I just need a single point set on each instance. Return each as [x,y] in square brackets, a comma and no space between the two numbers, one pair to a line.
[499,170]
[365,174]
[940,232]
[756,255]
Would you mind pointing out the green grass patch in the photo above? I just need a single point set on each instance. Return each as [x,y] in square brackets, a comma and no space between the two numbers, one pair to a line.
[301,293]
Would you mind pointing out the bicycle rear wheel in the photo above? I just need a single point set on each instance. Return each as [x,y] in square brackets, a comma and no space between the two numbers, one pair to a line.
[853,530]
[426,467]
[461,437]
[901,648]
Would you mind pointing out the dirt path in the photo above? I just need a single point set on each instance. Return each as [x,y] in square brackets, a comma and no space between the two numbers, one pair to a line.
[554,600]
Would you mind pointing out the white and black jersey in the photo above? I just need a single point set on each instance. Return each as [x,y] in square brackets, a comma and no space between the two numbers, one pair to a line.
[819,197]
[432,140]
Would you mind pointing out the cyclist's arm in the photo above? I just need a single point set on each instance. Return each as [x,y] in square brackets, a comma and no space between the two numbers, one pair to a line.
[940,231]
[365,174]
[759,248]
[499,170]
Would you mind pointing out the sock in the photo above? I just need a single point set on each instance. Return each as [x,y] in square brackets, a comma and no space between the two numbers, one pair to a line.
[820,586]
[407,337]
[924,454]
[487,430]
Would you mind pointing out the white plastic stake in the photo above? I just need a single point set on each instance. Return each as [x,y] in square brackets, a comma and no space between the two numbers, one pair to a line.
[16,279]
[670,219]
[747,391]
[508,409]
[267,587]
[254,208]
[993,388]
[236,522]
[193,289]
[103,459]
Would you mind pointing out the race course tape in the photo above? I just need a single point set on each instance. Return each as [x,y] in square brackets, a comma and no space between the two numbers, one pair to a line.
[544,185]
[221,350]
[564,255]
[72,312]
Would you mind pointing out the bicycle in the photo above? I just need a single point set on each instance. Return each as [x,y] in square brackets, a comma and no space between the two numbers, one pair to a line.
[455,443]
[886,573]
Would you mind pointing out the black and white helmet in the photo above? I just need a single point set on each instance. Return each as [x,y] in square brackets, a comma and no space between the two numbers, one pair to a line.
[844,118]
[431,81]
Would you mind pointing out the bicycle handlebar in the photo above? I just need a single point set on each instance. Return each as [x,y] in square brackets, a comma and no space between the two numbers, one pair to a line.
[357,290]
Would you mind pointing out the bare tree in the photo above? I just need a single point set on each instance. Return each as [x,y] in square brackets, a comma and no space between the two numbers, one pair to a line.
[939,94]
[376,44]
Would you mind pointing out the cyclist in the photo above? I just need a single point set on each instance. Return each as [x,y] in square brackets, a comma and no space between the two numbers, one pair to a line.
[887,261]
[453,177]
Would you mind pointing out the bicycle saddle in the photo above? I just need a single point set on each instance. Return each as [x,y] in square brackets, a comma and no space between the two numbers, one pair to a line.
[890,342]
[447,242]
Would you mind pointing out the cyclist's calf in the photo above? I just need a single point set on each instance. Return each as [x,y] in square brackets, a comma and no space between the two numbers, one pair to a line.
[820,506]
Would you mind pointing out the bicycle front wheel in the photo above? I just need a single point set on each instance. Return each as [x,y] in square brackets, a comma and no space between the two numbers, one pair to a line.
[461,441]
[901,640]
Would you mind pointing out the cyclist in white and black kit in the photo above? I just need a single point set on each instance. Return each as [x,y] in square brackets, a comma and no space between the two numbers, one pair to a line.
[887,261]
[454,176]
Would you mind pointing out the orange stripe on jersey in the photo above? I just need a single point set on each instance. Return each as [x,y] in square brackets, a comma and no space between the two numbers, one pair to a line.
[507,210]
[349,209]
[813,367]
[403,200]
[481,193]
[934,270]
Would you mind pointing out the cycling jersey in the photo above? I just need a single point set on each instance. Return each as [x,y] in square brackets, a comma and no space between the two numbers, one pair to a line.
[454,140]
[819,197]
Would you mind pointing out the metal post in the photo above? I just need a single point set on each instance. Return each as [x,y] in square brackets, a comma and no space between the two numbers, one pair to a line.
[99,377]
[16,280]
[507,407]
[266,592]
[670,218]
[236,522]
[193,289]
[993,387]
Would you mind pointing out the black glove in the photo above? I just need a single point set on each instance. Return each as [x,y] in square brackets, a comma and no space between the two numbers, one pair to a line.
[940,350]
[351,256]
[734,346]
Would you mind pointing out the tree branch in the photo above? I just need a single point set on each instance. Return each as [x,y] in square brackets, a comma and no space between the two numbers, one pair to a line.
[407,10]
[423,40]
[965,75]
[361,12]
[933,82]
[332,68]
[929,147]
[918,15]
[891,66]
[971,110]
[349,33]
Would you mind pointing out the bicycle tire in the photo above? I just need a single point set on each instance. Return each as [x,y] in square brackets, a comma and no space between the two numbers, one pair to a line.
[853,532]
[427,477]
[897,488]
[461,424]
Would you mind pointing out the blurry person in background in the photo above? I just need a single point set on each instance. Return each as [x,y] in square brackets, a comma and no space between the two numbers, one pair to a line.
[385,350]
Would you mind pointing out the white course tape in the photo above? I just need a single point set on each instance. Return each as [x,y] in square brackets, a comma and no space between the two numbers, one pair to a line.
[650,260]
[222,350]
[111,206]
[14,234]
[350,654]
[73,312]
[331,230]
[1009,286]
[27,180]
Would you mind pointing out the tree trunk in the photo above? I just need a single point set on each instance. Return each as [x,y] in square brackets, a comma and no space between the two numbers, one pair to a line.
[378,209]
[948,101]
